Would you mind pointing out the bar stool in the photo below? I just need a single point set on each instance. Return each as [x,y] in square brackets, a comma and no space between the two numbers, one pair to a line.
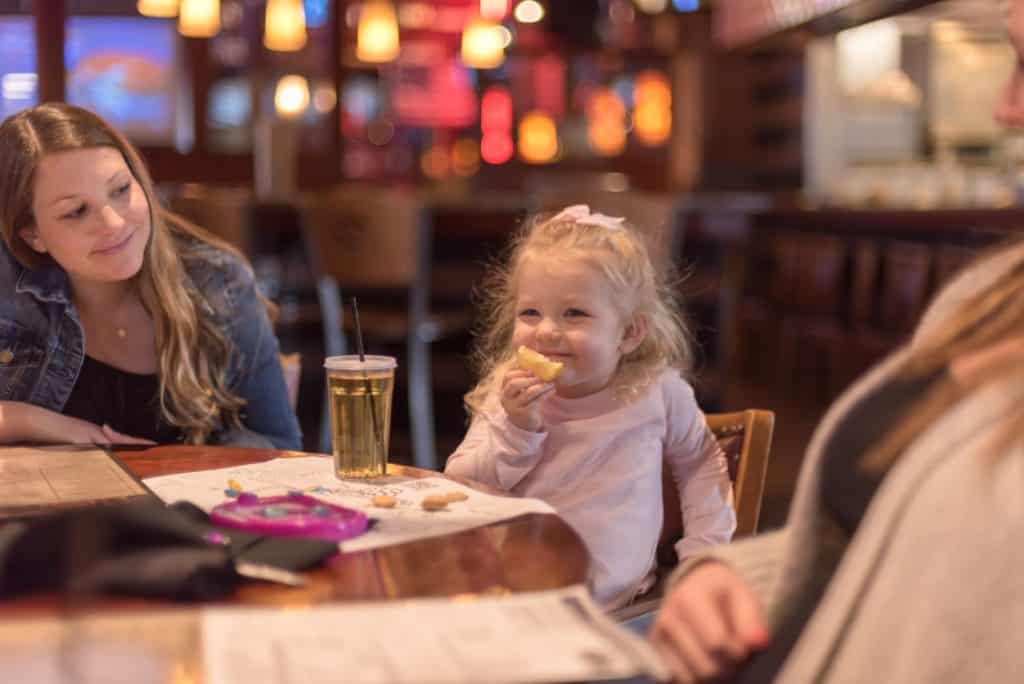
[769,286]
[812,329]
[891,286]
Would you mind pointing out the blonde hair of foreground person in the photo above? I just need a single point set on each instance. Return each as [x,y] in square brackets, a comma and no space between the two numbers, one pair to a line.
[622,258]
[981,341]
[193,352]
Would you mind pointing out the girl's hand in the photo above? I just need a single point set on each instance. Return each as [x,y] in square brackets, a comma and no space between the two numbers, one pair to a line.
[29,423]
[708,623]
[521,392]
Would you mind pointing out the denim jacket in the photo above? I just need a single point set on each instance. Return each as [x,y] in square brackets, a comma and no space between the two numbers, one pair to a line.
[42,343]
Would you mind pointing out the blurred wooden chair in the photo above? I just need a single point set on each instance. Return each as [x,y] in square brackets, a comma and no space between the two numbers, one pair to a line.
[746,439]
[291,367]
[376,244]
[223,212]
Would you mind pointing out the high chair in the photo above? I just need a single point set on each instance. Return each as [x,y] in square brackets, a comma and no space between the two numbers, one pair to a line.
[746,439]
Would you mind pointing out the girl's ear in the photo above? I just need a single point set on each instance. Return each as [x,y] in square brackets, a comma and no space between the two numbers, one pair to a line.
[634,334]
[31,237]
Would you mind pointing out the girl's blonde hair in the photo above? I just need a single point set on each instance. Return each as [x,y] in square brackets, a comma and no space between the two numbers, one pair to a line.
[619,253]
[988,317]
[193,351]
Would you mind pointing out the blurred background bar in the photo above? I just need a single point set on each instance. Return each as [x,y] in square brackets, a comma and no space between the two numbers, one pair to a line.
[815,169]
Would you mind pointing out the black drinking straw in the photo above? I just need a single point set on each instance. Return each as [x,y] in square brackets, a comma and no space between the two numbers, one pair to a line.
[366,381]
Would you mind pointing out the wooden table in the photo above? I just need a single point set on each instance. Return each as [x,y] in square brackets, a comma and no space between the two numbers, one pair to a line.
[527,553]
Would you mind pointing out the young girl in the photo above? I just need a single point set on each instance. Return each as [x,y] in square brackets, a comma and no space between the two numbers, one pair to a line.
[580,289]
[120,322]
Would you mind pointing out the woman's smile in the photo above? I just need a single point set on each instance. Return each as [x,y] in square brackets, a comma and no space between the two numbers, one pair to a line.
[118,246]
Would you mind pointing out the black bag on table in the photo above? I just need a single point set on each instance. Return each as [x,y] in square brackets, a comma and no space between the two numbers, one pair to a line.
[141,548]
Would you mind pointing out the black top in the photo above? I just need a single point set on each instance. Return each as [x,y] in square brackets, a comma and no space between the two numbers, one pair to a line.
[127,402]
[847,488]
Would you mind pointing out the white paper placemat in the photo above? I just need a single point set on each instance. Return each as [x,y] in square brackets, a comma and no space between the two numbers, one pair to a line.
[314,475]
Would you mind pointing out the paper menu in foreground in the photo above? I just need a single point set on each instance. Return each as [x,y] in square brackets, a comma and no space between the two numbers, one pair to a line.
[554,636]
[314,475]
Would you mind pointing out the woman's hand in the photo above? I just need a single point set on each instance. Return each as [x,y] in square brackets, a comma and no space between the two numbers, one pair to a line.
[22,422]
[63,429]
[521,391]
[708,623]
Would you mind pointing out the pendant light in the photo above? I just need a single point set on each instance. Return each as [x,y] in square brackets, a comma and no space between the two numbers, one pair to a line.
[483,44]
[285,26]
[495,10]
[377,34]
[157,8]
[199,18]
[538,138]
[291,96]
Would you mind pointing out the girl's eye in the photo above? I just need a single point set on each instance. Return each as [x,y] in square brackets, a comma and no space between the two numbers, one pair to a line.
[76,213]
[574,313]
[528,312]
[122,189]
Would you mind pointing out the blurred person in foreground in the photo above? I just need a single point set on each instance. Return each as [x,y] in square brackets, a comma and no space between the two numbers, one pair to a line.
[120,322]
[901,559]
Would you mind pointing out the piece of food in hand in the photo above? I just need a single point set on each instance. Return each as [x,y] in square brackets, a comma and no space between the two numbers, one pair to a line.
[538,364]
[456,496]
[384,501]
[435,502]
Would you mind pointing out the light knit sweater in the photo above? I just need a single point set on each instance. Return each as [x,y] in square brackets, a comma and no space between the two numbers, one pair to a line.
[598,462]
[930,587]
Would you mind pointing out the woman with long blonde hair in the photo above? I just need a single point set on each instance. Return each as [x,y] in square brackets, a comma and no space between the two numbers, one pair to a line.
[901,558]
[120,321]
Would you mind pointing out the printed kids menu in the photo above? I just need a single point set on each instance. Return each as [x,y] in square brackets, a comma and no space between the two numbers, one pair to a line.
[405,508]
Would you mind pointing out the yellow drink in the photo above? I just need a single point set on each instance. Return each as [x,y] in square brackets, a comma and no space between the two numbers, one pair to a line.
[360,416]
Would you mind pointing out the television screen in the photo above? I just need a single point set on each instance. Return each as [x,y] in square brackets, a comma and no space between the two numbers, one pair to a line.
[123,68]
[18,87]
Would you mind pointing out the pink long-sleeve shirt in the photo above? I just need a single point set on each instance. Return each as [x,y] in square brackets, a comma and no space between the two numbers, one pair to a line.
[598,461]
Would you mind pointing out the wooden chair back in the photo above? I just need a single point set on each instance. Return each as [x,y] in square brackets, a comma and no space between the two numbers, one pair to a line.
[365,240]
[746,439]
[377,244]
[223,212]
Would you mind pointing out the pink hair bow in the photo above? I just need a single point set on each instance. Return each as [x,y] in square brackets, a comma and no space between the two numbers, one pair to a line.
[580,213]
